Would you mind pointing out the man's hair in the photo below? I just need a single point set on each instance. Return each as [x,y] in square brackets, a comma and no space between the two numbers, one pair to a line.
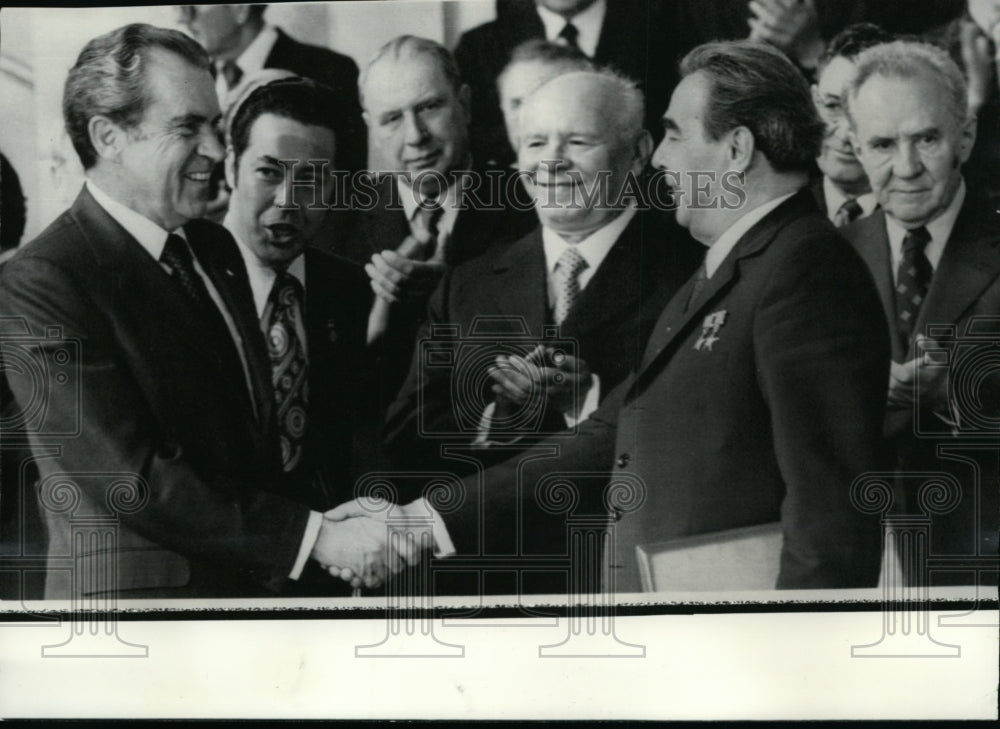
[411,45]
[299,99]
[553,54]
[257,11]
[910,59]
[753,85]
[852,40]
[627,101]
[12,207]
[110,79]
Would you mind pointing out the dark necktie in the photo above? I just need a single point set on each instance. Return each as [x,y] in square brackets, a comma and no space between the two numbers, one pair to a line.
[848,213]
[177,255]
[569,34]
[289,367]
[912,281]
[232,73]
[424,227]
[700,279]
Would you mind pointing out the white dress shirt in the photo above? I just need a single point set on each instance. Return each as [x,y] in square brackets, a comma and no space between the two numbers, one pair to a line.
[725,243]
[587,23]
[835,199]
[940,229]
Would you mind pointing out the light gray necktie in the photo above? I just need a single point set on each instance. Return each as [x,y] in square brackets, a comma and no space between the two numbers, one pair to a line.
[567,282]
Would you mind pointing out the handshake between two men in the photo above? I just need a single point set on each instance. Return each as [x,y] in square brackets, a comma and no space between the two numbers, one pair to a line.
[368,540]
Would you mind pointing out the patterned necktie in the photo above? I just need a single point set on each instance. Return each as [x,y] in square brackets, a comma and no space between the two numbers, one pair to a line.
[424,226]
[700,279]
[912,281]
[289,367]
[177,255]
[849,212]
[569,34]
[567,281]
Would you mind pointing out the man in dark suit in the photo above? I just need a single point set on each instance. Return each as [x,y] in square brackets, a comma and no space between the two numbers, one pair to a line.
[759,395]
[629,36]
[842,190]
[155,408]
[934,251]
[241,43]
[596,274]
[433,207]
[312,306]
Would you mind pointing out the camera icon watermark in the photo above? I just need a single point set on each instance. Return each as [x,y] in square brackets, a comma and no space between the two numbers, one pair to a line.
[39,369]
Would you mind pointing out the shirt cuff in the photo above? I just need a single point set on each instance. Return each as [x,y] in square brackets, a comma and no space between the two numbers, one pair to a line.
[443,546]
[308,542]
[590,403]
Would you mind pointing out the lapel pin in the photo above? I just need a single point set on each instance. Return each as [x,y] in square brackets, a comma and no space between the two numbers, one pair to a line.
[710,330]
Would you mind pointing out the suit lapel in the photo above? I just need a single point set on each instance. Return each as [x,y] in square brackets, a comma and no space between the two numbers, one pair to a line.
[231,281]
[149,304]
[675,323]
[872,244]
[605,296]
[520,284]
[969,263]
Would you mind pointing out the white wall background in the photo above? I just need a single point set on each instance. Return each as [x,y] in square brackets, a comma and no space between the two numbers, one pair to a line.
[39,45]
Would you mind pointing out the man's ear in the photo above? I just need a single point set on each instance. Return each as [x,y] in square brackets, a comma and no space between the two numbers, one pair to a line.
[814,89]
[742,146]
[967,140]
[643,151]
[231,167]
[465,99]
[108,138]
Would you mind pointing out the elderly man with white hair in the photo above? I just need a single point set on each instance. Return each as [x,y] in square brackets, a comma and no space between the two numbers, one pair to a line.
[570,304]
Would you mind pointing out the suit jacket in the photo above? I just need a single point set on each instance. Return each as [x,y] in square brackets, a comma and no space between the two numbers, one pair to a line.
[771,420]
[636,39]
[382,224]
[144,394]
[337,71]
[963,295]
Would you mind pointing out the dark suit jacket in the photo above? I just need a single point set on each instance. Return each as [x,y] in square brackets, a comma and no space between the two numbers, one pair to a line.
[340,73]
[607,328]
[773,421]
[964,291]
[145,393]
[381,224]
[635,39]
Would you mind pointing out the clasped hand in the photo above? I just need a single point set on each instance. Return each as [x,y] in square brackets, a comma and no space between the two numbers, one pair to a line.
[925,376]
[403,275]
[355,545]
[562,379]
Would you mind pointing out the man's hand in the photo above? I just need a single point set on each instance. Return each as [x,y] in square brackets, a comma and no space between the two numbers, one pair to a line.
[396,278]
[791,25]
[356,549]
[925,374]
[414,521]
[562,378]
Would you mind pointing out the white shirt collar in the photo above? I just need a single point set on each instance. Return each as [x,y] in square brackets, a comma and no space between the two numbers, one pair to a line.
[835,199]
[940,229]
[261,275]
[587,23]
[150,236]
[718,251]
[594,248]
